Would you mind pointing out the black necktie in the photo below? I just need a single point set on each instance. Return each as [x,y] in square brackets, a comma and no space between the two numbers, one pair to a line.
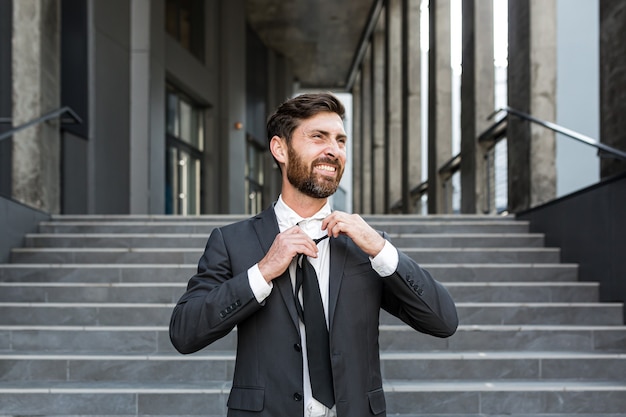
[314,319]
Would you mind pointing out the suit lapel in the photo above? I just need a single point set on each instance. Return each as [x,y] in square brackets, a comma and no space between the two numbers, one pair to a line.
[266,228]
[338,252]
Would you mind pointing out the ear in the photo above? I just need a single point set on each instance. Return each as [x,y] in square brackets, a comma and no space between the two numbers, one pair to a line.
[278,148]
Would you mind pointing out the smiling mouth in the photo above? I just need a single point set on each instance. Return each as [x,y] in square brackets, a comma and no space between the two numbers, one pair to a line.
[326,168]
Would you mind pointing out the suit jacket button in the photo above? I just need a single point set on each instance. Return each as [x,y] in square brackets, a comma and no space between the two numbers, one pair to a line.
[297,396]
[297,347]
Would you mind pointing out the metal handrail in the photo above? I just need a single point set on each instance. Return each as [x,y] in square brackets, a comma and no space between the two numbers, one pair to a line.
[602,148]
[496,132]
[450,167]
[55,114]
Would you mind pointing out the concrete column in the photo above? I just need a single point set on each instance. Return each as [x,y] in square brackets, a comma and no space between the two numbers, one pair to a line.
[439,105]
[531,89]
[357,129]
[477,103]
[233,106]
[393,14]
[612,82]
[36,91]
[413,100]
[140,131]
[366,133]
[6,93]
[109,107]
[379,161]
[147,106]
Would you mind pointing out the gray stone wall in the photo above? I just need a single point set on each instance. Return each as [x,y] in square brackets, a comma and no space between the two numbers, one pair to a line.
[36,91]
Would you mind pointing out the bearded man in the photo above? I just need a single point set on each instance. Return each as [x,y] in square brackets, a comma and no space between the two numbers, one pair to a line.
[304,285]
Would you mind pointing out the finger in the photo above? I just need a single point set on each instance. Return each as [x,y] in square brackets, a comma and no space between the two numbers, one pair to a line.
[330,222]
[300,243]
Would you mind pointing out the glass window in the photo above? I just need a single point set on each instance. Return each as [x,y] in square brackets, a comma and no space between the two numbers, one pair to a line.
[185,119]
[186,130]
[184,21]
[185,144]
[254,176]
[172,114]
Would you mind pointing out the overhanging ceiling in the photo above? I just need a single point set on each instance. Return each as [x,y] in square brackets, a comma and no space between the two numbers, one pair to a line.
[320,37]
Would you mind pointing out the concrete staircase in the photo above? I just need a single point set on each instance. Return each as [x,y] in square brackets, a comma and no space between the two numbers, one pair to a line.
[85,307]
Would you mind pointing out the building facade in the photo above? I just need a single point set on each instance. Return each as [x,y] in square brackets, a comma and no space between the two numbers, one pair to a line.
[172,97]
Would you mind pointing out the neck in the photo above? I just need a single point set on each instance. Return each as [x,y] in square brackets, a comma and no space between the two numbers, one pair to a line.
[302,204]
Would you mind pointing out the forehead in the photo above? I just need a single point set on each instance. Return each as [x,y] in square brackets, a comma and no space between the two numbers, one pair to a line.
[325,121]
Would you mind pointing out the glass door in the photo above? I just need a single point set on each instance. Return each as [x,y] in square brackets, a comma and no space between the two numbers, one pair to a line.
[254,176]
[185,144]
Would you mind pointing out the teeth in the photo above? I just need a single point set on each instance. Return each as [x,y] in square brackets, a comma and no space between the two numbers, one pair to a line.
[327,168]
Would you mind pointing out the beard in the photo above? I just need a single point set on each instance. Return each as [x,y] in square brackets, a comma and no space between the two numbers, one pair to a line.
[308,182]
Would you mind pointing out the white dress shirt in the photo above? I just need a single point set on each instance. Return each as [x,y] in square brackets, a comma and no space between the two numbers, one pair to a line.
[385,264]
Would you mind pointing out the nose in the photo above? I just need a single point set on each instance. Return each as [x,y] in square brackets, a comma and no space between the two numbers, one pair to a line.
[333,149]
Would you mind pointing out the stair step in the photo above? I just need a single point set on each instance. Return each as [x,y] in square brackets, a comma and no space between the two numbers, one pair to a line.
[481,397]
[85,308]
[176,240]
[163,292]
[218,366]
[120,272]
[508,337]
[480,338]
[147,314]
[230,218]
[192,255]
[206,226]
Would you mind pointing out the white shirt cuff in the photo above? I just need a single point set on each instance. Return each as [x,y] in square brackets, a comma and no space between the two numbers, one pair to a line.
[386,262]
[260,288]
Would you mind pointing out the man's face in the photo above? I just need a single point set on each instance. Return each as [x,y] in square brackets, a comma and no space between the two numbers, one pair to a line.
[317,155]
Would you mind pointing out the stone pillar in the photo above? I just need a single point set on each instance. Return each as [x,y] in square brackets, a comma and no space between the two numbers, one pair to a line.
[140,132]
[393,16]
[36,91]
[477,103]
[6,93]
[379,142]
[612,83]
[147,106]
[366,133]
[531,89]
[439,105]
[357,145]
[233,101]
[413,100]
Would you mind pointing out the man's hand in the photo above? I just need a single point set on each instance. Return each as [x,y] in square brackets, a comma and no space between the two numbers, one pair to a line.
[353,225]
[286,246]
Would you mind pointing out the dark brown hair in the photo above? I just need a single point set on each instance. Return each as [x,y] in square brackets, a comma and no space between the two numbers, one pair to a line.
[289,114]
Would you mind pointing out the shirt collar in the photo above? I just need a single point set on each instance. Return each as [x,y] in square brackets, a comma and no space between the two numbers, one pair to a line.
[287,218]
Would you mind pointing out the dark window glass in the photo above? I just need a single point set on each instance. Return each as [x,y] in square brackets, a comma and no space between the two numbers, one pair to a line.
[185,124]
[184,21]
[255,166]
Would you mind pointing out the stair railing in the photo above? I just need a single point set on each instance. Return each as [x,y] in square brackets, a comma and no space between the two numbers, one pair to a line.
[55,114]
[497,132]
[603,149]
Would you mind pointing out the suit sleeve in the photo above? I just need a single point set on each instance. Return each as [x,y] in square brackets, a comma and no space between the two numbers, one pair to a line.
[416,298]
[215,300]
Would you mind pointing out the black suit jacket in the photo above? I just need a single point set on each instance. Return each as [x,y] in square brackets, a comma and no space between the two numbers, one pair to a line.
[268,378]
